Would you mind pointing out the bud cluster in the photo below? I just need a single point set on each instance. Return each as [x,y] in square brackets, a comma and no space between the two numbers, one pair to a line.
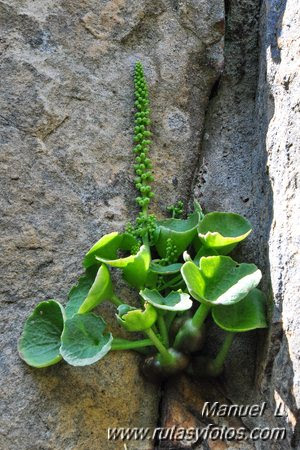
[144,225]
[171,255]
[176,210]
[142,121]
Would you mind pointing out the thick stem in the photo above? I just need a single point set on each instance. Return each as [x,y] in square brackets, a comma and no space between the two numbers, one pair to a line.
[116,300]
[221,356]
[200,315]
[191,334]
[159,345]
[163,329]
[123,344]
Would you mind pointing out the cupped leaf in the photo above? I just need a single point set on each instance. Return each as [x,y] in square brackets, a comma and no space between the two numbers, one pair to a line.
[204,251]
[79,292]
[100,290]
[39,343]
[165,270]
[108,246]
[133,319]
[135,267]
[175,301]
[136,273]
[220,280]
[151,280]
[223,231]
[84,340]
[248,314]
[180,231]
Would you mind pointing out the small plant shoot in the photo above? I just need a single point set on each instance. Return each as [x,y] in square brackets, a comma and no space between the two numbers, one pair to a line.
[181,270]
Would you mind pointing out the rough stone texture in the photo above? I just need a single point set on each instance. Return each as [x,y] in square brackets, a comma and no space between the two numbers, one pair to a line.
[66,109]
[249,163]
[184,409]
[279,104]
[231,177]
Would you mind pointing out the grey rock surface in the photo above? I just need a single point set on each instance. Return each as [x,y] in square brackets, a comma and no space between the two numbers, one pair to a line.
[66,135]
[279,99]
[249,163]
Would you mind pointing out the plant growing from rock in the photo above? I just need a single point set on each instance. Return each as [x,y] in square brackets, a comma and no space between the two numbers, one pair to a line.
[181,270]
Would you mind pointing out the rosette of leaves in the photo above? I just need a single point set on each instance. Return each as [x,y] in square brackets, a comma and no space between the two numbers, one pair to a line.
[174,264]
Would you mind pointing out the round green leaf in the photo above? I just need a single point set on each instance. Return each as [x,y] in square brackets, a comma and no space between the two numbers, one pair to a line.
[223,231]
[180,231]
[83,340]
[220,280]
[133,319]
[100,290]
[165,270]
[248,314]
[39,343]
[175,301]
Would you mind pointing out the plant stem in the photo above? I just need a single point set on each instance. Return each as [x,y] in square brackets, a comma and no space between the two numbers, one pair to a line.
[124,344]
[200,315]
[116,300]
[158,344]
[163,329]
[146,239]
[221,356]
[169,318]
[145,208]
[171,282]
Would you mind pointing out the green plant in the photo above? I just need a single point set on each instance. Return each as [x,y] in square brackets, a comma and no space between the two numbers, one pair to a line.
[175,264]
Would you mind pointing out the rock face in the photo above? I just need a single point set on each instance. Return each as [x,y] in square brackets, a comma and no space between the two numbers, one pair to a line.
[225,130]
[279,100]
[249,163]
[66,170]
